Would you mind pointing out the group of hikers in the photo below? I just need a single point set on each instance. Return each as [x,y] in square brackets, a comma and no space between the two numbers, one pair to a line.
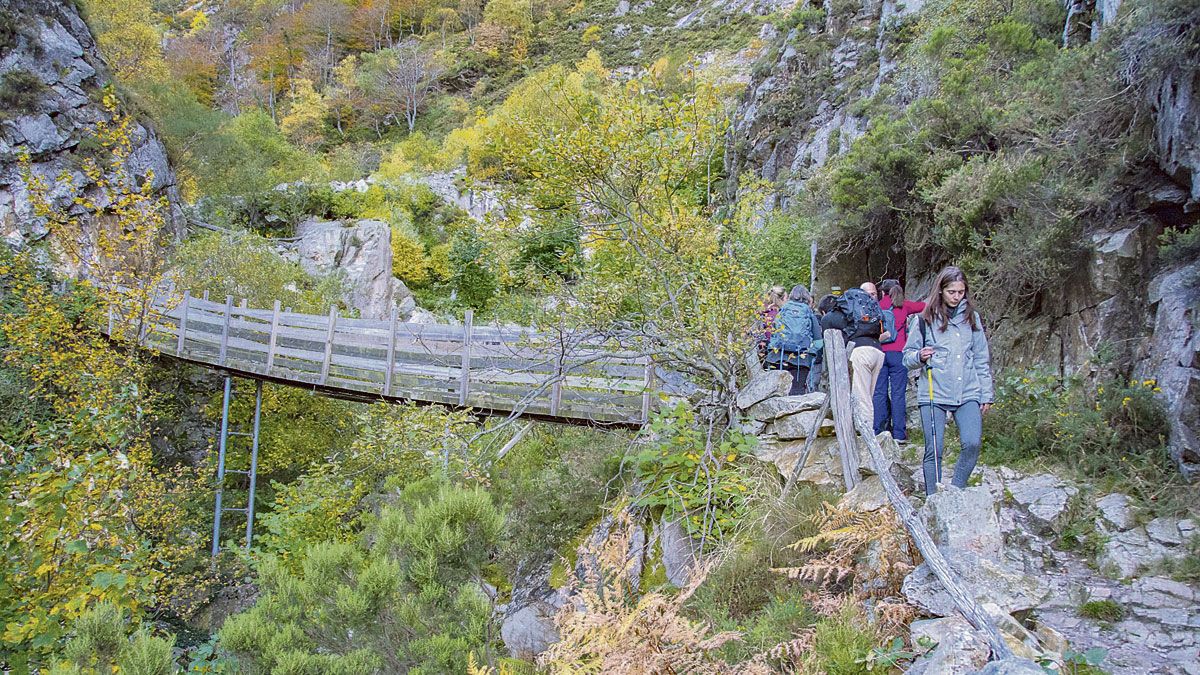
[940,339]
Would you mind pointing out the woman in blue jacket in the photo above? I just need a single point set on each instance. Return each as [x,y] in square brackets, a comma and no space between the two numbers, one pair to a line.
[947,342]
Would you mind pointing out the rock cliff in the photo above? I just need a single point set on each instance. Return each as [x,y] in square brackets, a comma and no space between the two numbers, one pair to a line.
[52,82]
[813,94]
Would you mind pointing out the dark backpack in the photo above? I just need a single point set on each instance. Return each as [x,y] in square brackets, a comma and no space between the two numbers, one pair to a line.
[793,328]
[864,318]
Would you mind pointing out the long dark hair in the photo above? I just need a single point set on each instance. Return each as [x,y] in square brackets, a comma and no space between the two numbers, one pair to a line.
[936,312]
[894,290]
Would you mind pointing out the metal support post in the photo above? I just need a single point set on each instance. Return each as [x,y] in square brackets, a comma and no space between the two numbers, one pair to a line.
[216,543]
[258,386]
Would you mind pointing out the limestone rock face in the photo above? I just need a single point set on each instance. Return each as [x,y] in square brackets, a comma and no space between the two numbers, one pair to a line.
[58,50]
[1128,553]
[527,627]
[362,253]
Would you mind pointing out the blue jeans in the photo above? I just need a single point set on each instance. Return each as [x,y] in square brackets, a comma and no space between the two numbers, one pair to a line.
[970,433]
[890,395]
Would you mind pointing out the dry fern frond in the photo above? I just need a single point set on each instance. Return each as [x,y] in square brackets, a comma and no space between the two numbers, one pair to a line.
[891,616]
[844,539]
[607,628]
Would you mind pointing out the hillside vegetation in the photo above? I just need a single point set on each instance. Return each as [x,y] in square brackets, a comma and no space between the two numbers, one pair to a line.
[394,538]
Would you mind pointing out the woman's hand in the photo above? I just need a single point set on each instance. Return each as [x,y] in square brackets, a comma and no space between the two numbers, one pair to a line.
[926,352]
[983,409]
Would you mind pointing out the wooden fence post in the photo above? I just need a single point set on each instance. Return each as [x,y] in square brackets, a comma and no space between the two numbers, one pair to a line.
[649,387]
[329,344]
[465,378]
[225,328]
[556,388]
[391,354]
[837,362]
[183,313]
[272,338]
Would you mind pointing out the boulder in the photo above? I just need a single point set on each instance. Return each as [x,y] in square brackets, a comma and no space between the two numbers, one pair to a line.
[964,520]
[679,551]
[824,467]
[529,630]
[1164,531]
[1116,510]
[1126,554]
[868,495]
[1045,497]
[958,648]
[361,253]
[1012,666]
[773,408]
[764,384]
[982,578]
[798,425]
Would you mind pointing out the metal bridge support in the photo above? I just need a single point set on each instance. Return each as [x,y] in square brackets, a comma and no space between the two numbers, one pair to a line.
[223,450]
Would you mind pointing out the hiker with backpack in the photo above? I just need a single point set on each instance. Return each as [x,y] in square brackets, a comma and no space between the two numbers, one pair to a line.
[946,342]
[775,299]
[826,305]
[860,319]
[891,391]
[794,339]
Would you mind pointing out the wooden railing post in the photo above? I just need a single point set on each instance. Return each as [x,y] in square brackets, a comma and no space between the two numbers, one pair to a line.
[225,329]
[646,394]
[391,353]
[333,312]
[838,364]
[183,316]
[465,378]
[273,338]
[557,387]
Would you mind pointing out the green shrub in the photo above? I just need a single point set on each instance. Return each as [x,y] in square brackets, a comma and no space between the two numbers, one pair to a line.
[246,266]
[842,642]
[20,91]
[1177,245]
[100,646]
[1109,611]
[403,599]
[553,484]
[689,478]
[471,274]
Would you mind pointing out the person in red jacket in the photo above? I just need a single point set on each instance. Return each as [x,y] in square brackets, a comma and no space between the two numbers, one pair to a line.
[892,387]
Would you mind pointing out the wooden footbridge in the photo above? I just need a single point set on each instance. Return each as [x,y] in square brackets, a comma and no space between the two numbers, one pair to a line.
[551,376]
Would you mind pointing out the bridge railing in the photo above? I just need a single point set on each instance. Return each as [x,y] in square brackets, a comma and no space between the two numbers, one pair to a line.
[489,368]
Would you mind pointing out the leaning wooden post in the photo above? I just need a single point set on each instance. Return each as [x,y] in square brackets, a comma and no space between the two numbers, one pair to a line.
[329,343]
[391,353]
[273,338]
[183,312]
[465,379]
[808,444]
[920,536]
[838,365]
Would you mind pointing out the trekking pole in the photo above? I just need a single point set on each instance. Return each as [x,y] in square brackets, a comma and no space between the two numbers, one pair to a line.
[937,450]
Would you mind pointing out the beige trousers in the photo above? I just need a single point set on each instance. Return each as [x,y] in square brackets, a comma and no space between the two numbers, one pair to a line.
[865,364]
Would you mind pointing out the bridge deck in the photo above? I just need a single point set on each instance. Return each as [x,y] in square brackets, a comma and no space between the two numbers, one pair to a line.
[492,370]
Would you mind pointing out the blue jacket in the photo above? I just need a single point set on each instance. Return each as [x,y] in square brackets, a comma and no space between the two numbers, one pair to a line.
[960,365]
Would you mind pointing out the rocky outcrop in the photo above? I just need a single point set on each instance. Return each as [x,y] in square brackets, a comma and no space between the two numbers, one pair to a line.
[361,252]
[54,59]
